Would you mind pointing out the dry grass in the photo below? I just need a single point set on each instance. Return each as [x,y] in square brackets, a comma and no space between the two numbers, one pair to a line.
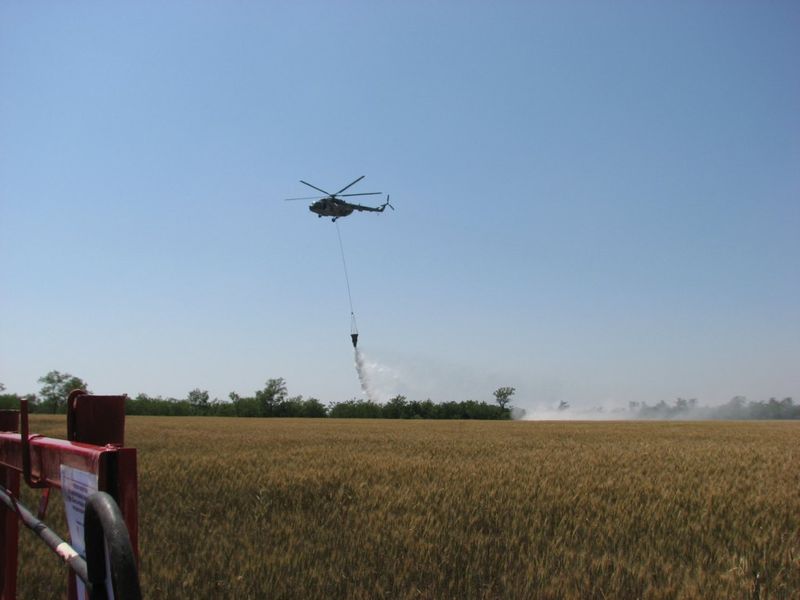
[257,508]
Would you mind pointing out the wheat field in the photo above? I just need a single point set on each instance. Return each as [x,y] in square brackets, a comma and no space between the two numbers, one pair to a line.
[273,508]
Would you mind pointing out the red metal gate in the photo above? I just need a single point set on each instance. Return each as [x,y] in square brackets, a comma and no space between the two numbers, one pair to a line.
[94,444]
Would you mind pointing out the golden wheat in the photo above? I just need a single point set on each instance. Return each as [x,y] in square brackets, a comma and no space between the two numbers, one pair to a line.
[256,508]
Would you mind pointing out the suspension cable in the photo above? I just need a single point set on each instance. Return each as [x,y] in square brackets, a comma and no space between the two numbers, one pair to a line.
[347,281]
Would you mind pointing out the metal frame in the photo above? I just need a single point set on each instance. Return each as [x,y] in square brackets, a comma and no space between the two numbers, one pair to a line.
[95,432]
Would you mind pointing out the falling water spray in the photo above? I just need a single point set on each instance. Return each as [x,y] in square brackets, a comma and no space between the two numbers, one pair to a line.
[361,368]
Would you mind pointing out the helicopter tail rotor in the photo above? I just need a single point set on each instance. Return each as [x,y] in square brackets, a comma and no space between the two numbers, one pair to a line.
[385,204]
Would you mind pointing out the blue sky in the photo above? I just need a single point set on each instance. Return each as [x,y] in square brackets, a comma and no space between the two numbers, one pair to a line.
[596,202]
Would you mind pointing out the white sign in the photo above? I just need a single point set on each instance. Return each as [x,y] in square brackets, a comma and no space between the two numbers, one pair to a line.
[76,487]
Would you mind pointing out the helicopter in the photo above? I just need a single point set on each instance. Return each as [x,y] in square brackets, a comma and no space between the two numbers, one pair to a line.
[330,205]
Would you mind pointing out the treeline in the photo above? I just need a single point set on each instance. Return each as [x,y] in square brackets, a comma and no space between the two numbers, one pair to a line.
[274,401]
[398,407]
[271,401]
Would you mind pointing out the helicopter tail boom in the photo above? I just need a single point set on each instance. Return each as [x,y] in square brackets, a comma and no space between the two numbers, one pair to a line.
[380,208]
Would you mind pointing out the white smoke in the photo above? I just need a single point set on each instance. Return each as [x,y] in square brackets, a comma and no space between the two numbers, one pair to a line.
[660,412]
[544,413]
[379,382]
[361,369]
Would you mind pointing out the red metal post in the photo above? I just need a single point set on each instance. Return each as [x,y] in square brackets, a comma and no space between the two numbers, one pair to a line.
[97,420]
[9,523]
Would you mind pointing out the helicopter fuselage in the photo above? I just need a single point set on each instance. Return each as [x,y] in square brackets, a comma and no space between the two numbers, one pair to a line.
[331,207]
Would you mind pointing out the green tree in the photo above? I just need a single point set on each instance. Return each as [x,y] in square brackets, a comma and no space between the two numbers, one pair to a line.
[8,401]
[244,407]
[273,394]
[57,386]
[356,409]
[199,400]
[396,408]
[314,408]
[503,396]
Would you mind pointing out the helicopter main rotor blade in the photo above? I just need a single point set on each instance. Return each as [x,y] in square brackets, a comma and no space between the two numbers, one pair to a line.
[362,194]
[318,189]
[306,198]
[348,185]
